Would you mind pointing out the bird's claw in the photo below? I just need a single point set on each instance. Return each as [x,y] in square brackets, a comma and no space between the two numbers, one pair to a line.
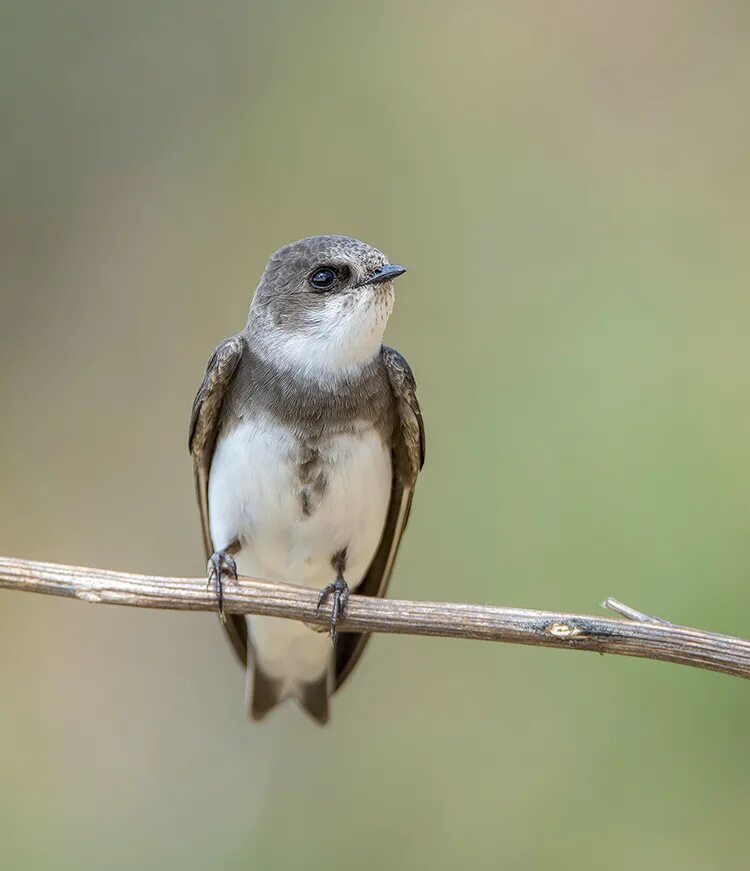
[340,591]
[221,563]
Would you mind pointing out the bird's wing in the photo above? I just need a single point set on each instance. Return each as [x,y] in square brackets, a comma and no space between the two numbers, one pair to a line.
[204,429]
[408,459]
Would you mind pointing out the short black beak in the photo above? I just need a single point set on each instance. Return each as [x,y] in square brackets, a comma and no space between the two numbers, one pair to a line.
[385,273]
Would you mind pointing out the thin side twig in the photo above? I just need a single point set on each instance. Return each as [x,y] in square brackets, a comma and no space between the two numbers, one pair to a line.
[639,635]
[631,613]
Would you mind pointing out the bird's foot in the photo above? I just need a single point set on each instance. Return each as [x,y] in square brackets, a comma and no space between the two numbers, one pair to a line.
[221,564]
[340,591]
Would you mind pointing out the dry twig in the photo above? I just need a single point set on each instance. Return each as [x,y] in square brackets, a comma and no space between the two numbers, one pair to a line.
[638,635]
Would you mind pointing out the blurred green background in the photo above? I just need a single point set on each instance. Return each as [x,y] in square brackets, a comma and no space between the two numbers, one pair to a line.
[570,187]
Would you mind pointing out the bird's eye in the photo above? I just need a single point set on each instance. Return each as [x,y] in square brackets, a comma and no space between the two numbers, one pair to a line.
[323,278]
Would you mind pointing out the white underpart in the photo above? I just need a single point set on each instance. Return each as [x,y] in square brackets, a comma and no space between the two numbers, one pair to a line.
[255,497]
[344,332]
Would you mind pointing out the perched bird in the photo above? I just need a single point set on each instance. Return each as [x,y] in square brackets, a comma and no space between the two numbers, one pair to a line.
[307,439]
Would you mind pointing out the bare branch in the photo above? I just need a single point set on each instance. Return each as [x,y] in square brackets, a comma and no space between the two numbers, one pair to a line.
[639,635]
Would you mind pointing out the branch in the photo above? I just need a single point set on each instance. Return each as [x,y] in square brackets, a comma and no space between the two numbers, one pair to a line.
[638,635]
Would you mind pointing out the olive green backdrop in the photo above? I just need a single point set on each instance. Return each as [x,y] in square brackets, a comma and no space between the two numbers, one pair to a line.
[569,186]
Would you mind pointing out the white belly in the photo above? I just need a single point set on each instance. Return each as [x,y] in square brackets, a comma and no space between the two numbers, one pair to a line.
[256,497]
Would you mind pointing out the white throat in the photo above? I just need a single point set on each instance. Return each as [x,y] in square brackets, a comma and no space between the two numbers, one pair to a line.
[336,340]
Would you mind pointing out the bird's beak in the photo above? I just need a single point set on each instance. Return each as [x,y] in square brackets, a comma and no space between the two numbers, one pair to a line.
[385,273]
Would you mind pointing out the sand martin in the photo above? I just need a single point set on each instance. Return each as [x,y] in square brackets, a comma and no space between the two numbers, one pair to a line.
[307,439]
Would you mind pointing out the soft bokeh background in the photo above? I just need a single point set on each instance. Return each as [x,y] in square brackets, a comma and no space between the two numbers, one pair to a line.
[570,186]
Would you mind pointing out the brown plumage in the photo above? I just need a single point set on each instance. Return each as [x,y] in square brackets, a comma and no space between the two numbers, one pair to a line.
[242,381]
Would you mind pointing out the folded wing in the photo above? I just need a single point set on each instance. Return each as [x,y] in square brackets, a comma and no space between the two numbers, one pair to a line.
[408,458]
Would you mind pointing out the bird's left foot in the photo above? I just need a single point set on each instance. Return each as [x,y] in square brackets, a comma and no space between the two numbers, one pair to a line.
[340,591]
[221,565]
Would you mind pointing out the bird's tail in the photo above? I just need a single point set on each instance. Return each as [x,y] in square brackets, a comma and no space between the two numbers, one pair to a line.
[265,692]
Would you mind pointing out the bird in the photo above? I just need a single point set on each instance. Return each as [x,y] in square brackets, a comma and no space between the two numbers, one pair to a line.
[307,439]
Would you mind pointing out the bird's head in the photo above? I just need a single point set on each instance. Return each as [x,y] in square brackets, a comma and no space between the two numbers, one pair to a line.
[323,303]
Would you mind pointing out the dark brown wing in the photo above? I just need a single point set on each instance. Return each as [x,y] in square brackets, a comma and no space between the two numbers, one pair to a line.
[204,428]
[408,459]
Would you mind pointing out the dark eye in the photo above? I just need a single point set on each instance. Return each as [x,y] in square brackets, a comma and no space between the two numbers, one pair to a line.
[323,278]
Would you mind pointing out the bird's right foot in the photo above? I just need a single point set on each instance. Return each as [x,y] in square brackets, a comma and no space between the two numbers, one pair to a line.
[339,589]
[221,564]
